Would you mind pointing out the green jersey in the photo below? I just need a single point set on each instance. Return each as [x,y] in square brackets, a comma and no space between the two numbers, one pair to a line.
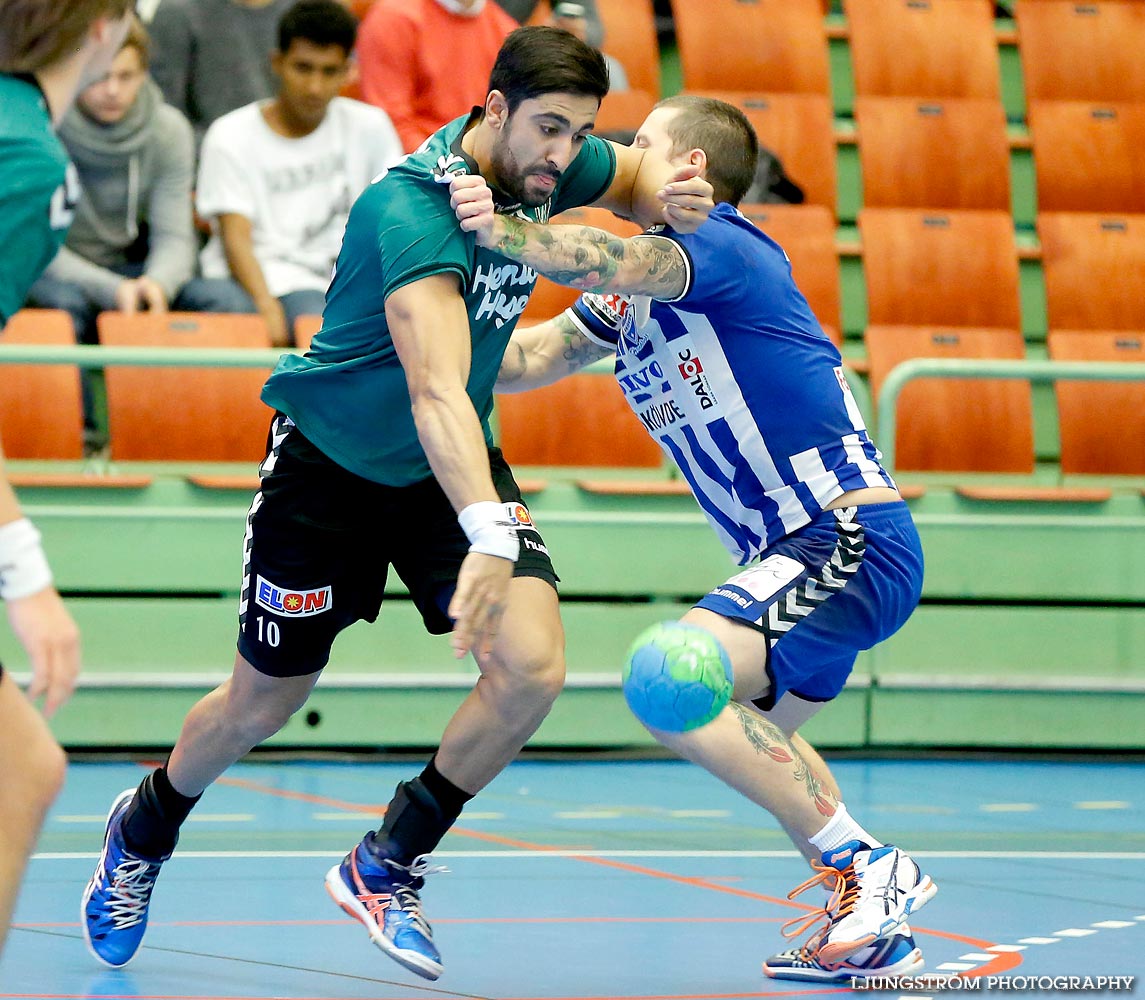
[348,394]
[39,189]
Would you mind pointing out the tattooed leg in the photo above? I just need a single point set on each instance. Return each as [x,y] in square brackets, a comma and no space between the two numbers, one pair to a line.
[751,753]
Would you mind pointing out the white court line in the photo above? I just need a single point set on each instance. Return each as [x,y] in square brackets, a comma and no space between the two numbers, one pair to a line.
[1075,932]
[1113,925]
[510,853]
[101,818]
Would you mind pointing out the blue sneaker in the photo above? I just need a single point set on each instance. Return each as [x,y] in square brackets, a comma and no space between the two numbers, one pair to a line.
[383,895]
[875,890]
[896,955]
[114,911]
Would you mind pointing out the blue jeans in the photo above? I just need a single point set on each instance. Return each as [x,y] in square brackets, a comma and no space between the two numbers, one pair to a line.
[227,295]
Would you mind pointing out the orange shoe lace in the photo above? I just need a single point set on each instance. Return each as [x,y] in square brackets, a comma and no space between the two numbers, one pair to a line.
[844,896]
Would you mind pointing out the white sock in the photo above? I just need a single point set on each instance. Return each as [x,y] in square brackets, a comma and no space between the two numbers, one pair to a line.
[839,830]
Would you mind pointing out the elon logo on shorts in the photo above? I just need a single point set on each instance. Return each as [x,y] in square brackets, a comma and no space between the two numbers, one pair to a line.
[295,603]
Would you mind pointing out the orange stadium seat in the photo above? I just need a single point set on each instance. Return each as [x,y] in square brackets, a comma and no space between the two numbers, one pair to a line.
[933,153]
[1088,51]
[630,38]
[780,45]
[1094,268]
[304,329]
[186,414]
[41,414]
[956,268]
[923,48]
[1089,157]
[955,425]
[580,420]
[1101,424]
[800,130]
[807,233]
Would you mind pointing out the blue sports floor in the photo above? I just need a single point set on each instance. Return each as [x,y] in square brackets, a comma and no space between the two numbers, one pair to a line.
[594,879]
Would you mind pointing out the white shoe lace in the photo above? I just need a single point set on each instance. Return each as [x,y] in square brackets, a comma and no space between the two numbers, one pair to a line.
[129,891]
[406,896]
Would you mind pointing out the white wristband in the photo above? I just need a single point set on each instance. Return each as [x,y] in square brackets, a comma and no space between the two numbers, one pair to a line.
[489,530]
[23,566]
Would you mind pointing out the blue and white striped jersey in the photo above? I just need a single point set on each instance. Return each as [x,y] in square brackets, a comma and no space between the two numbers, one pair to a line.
[740,386]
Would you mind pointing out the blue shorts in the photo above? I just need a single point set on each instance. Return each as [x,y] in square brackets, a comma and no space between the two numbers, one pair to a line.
[839,585]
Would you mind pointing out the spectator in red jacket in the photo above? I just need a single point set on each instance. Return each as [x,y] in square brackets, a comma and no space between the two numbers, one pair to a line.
[427,61]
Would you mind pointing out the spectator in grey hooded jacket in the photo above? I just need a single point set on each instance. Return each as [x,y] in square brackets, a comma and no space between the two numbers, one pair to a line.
[133,245]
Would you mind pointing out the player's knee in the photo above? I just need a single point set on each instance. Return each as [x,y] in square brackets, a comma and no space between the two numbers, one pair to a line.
[532,680]
[44,772]
[677,678]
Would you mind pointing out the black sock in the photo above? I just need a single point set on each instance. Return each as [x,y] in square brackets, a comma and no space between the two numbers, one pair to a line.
[151,823]
[418,816]
[448,796]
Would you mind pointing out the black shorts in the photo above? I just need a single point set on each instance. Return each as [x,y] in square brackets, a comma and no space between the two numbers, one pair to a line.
[320,541]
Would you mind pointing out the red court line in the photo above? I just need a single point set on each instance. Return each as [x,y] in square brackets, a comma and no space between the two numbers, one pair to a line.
[418,997]
[1004,960]
[346,921]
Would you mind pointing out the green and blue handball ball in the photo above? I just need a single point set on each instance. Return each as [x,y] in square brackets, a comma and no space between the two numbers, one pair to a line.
[677,677]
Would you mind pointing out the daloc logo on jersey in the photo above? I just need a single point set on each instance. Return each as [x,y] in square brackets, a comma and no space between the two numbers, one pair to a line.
[692,371]
[295,603]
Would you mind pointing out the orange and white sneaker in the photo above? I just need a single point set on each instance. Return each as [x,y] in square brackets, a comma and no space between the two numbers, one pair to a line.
[383,895]
[894,955]
[873,893]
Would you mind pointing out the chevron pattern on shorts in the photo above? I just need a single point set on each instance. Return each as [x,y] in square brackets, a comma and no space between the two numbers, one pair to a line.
[278,431]
[804,598]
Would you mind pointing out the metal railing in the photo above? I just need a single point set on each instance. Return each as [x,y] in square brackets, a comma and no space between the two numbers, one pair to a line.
[1031,371]
[92,356]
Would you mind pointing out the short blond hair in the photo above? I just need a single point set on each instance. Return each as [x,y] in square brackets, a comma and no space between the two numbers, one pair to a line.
[138,39]
[35,34]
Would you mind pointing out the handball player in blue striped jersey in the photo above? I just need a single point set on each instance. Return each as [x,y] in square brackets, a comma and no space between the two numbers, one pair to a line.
[721,358]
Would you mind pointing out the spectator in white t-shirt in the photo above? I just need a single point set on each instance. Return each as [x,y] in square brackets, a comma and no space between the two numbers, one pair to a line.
[277,178]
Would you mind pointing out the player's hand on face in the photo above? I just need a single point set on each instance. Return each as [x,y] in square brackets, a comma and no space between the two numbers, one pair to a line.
[472,203]
[46,630]
[687,199]
[479,602]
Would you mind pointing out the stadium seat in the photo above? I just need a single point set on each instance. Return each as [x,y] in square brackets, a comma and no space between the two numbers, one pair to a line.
[779,45]
[1101,424]
[1094,268]
[1089,157]
[933,153]
[1081,51]
[807,233]
[957,268]
[186,414]
[630,38]
[923,48]
[955,425]
[580,420]
[549,298]
[304,329]
[41,414]
[800,130]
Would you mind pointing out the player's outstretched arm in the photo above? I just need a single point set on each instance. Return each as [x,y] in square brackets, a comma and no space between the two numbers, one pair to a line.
[430,331]
[36,613]
[542,354]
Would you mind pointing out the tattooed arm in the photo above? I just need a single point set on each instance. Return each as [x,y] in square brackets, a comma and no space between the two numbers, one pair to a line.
[593,260]
[585,258]
[538,355]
